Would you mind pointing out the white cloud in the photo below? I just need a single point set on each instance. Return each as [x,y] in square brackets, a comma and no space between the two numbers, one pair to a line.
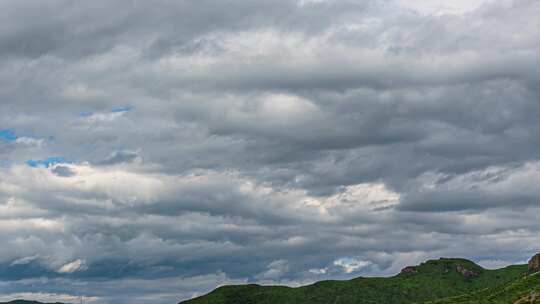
[25,260]
[351,265]
[318,271]
[372,196]
[71,267]
[31,142]
[103,117]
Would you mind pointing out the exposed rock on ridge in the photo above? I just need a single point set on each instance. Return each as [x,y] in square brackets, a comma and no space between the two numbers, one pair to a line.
[466,272]
[534,263]
[409,269]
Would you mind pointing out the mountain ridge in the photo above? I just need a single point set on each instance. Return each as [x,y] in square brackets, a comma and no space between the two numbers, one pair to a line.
[428,282]
[437,281]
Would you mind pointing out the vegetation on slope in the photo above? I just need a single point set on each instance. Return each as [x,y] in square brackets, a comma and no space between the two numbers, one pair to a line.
[435,279]
[524,290]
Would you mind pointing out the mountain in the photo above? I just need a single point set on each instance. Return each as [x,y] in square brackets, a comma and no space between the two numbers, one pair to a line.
[442,281]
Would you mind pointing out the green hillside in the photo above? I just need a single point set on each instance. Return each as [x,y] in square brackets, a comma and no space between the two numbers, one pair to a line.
[432,280]
[523,290]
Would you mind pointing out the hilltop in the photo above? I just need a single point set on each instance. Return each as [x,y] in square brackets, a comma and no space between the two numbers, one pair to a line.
[442,281]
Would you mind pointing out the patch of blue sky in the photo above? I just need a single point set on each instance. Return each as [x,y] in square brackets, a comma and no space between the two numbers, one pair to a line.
[115,110]
[46,163]
[8,135]
[85,114]
[122,109]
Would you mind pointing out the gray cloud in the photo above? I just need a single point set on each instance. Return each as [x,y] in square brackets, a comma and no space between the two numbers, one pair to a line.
[63,171]
[119,157]
[228,142]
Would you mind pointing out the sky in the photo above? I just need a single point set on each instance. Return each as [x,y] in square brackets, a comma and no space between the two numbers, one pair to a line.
[153,150]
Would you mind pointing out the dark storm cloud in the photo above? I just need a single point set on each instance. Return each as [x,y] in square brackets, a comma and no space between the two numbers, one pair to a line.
[213,142]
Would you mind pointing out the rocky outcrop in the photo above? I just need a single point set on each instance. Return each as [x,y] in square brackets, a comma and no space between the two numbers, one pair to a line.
[466,272]
[534,263]
[409,270]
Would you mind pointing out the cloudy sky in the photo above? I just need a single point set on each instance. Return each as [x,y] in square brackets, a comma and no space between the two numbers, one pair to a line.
[153,150]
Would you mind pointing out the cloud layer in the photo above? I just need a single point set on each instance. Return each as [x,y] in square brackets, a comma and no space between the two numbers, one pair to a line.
[153,150]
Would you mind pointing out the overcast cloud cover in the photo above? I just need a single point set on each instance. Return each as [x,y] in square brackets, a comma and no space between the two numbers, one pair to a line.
[152,150]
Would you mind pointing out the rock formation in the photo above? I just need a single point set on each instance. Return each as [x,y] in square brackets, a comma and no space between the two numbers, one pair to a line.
[534,263]
[409,269]
[466,272]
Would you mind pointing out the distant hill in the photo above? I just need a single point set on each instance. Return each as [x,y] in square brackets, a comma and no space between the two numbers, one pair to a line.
[26,302]
[443,281]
